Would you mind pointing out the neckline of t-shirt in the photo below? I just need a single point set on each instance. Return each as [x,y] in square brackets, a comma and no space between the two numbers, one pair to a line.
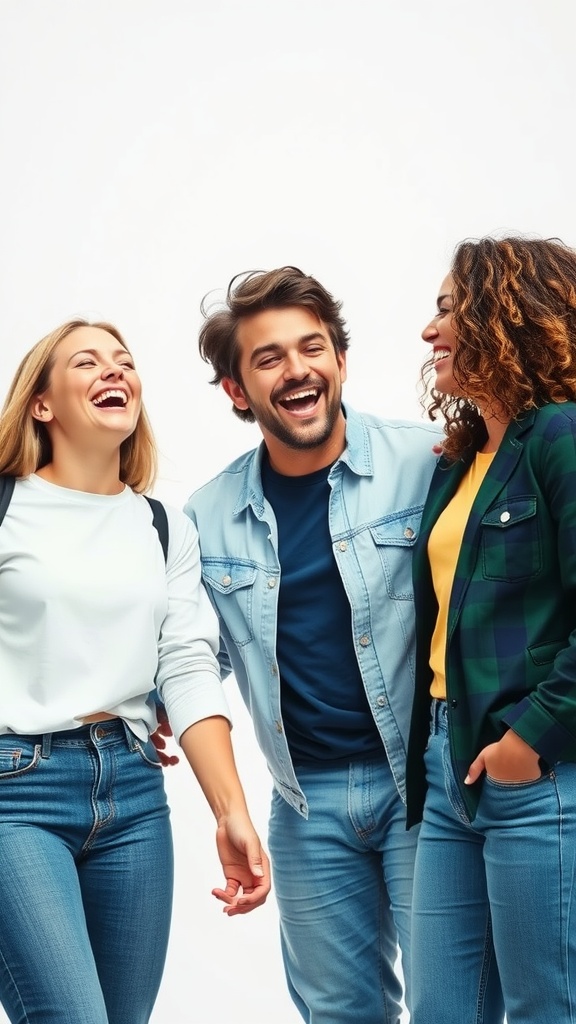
[78,497]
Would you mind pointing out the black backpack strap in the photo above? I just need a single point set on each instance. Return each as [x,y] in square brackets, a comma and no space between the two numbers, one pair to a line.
[6,489]
[159,521]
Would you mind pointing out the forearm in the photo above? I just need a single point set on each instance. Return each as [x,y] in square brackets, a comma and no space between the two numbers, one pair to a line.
[208,748]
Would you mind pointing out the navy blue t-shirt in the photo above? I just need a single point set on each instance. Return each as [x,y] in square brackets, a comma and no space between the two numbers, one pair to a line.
[324,706]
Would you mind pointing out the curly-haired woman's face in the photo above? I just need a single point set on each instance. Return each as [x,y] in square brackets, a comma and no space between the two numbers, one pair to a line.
[440,334]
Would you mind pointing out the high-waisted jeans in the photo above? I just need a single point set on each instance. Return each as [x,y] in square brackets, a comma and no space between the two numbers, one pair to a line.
[85,876]
[494,905]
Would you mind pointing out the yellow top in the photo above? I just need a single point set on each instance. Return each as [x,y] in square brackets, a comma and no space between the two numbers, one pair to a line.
[443,551]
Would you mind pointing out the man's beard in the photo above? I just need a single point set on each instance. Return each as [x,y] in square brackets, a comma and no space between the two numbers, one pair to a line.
[300,437]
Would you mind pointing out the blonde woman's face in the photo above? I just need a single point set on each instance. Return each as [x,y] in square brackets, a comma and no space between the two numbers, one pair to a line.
[94,390]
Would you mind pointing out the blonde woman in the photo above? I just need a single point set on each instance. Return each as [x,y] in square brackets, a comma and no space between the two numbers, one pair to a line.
[91,619]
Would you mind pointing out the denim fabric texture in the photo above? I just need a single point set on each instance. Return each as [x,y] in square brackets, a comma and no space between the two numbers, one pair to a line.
[494,901]
[337,875]
[85,876]
[378,487]
[341,858]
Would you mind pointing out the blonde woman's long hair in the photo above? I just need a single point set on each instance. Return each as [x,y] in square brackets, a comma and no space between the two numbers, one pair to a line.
[24,441]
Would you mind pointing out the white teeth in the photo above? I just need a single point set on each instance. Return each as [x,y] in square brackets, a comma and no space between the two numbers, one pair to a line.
[441,353]
[311,392]
[110,394]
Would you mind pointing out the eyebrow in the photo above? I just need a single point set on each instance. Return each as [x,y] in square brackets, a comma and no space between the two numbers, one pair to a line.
[275,346]
[94,352]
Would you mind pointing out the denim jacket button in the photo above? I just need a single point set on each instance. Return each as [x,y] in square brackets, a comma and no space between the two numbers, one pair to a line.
[381,701]
[342,545]
[364,641]
[409,533]
[226,581]
[271,583]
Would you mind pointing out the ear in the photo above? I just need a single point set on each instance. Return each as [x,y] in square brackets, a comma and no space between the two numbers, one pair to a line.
[341,358]
[40,410]
[234,391]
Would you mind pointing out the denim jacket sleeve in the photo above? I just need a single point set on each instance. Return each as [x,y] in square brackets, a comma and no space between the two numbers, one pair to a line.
[377,493]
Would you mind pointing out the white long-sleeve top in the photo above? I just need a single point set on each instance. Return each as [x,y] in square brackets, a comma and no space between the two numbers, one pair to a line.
[91,617]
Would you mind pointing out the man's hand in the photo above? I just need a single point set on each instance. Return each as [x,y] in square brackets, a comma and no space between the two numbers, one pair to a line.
[509,760]
[159,737]
[246,867]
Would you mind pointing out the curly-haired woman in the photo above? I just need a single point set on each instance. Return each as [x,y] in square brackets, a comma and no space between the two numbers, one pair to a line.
[492,755]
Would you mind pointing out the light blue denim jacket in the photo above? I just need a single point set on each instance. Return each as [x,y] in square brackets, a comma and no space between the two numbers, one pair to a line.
[378,488]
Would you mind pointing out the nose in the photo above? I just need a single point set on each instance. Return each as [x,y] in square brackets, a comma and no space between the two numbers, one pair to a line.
[295,366]
[430,332]
[113,372]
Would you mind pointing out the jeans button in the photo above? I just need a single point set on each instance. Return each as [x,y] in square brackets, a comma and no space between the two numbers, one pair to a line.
[99,733]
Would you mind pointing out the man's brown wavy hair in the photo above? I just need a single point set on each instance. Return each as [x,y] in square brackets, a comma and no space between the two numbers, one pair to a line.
[249,294]
[514,316]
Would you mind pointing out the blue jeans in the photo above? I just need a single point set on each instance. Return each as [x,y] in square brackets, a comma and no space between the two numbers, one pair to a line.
[494,909]
[343,882]
[85,877]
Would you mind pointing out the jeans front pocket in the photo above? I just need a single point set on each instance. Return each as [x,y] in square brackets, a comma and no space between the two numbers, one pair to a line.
[148,753]
[515,783]
[18,755]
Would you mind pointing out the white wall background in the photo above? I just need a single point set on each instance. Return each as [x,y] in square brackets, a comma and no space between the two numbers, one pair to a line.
[151,149]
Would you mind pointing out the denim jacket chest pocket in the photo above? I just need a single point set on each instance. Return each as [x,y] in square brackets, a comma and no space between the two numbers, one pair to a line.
[231,584]
[511,548]
[394,537]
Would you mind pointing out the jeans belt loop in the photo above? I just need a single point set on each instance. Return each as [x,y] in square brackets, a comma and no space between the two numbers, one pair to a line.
[131,739]
[46,744]
[438,709]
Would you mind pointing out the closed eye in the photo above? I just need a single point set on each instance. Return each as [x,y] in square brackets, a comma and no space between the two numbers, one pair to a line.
[268,361]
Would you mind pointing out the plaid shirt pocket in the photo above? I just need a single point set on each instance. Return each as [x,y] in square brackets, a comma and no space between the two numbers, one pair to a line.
[511,548]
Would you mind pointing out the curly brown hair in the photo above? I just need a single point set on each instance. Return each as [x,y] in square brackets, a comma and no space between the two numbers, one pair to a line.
[514,315]
[251,293]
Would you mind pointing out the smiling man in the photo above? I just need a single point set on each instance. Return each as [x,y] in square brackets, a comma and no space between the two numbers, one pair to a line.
[306,553]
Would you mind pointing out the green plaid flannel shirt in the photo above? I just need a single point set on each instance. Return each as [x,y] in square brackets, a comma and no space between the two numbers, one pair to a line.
[511,638]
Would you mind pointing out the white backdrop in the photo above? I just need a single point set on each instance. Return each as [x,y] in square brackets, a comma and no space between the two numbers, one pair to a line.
[151,149]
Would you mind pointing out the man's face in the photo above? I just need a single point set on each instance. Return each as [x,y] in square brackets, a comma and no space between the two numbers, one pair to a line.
[291,378]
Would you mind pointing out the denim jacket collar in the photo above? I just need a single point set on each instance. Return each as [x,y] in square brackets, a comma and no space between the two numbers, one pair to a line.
[356,455]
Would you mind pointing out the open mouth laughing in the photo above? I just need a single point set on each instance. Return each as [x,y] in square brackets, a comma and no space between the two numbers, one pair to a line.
[113,398]
[440,353]
[301,402]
